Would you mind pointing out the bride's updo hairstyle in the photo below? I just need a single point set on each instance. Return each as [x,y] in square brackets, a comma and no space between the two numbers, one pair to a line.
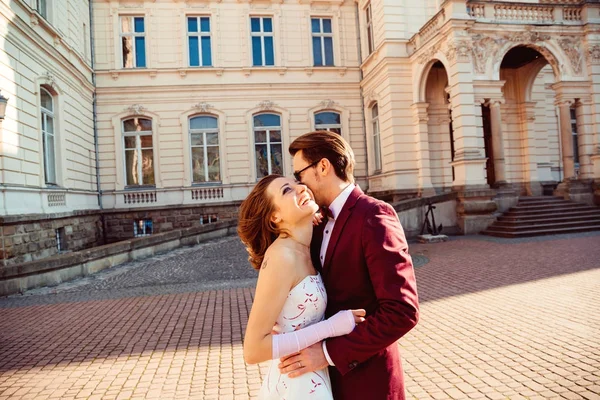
[255,228]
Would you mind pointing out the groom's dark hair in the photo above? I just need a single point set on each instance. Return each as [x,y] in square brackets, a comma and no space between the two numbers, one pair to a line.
[332,146]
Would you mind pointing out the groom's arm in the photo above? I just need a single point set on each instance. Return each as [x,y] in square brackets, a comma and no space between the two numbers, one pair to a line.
[391,271]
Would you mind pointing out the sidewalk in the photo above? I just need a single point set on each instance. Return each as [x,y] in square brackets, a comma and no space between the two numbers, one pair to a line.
[500,319]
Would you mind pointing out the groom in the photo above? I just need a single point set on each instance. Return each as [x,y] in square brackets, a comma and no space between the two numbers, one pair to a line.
[361,252]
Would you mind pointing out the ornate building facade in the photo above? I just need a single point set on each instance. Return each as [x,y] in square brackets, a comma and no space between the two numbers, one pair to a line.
[188,102]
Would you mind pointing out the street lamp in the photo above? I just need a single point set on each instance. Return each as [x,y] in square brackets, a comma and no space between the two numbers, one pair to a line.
[3,101]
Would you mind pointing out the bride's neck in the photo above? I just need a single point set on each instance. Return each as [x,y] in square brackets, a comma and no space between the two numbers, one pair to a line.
[301,233]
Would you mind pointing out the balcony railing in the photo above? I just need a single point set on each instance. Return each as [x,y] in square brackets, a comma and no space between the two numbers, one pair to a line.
[523,13]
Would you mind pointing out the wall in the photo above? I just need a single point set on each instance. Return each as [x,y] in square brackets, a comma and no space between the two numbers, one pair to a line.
[52,52]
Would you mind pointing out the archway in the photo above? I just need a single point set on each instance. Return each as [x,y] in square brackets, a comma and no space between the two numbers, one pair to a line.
[527,137]
[439,128]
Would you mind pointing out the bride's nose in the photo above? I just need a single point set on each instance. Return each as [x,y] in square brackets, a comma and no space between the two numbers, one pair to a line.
[300,188]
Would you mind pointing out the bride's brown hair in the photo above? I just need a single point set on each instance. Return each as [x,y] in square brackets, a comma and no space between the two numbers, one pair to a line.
[255,228]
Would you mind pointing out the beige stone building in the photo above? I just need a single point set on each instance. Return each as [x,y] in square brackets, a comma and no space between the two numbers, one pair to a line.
[195,100]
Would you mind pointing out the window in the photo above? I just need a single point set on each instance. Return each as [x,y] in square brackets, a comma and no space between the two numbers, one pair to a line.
[139,157]
[42,8]
[48,135]
[198,32]
[262,41]
[376,137]
[574,132]
[61,244]
[369,19]
[267,142]
[328,121]
[322,41]
[133,42]
[142,227]
[204,139]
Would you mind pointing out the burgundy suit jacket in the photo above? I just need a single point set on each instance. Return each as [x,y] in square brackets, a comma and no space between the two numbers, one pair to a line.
[367,265]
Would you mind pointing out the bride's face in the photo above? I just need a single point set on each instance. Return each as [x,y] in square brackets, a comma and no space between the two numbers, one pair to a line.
[292,200]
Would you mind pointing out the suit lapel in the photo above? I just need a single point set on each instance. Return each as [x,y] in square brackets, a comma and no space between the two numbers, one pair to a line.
[339,225]
[315,246]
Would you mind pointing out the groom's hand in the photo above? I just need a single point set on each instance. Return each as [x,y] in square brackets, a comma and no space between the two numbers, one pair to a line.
[308,360]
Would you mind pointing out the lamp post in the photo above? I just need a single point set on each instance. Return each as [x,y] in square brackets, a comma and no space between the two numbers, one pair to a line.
[3,101]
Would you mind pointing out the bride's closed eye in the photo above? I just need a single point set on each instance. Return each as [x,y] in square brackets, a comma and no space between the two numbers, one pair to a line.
[286,190]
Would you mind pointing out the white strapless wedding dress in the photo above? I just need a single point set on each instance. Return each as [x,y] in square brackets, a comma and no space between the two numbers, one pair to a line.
[305,305]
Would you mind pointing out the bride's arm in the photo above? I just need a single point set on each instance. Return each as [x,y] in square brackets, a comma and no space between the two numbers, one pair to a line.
[274,284]
[275,279]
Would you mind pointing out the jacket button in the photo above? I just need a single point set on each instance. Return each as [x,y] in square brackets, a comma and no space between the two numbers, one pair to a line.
[352,365]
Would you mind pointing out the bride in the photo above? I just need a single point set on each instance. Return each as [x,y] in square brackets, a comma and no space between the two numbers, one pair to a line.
[275,225]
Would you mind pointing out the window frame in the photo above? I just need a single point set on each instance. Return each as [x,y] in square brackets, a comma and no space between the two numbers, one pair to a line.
[199,35]
[262,34]
[268,142]
[376,135]
[322,35]
[205,150]
[139,149]
[42,10]
[326,127]
[144,225]
[44,114]
[132,34]
[369,27]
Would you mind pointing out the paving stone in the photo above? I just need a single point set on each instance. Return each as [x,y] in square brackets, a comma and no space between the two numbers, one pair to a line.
[500,318]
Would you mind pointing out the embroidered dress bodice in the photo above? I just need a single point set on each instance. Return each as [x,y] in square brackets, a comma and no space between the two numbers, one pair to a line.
[305,305]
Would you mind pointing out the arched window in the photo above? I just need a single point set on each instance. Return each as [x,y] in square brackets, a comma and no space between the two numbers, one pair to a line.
[376,137]
[204,139]
[139,156]
[328,121]
[267,144]
[48,135]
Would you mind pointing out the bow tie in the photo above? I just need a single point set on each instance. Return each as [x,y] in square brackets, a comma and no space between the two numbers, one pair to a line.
[326,211]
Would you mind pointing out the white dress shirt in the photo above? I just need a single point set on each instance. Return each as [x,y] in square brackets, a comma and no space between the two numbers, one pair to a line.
[335,207]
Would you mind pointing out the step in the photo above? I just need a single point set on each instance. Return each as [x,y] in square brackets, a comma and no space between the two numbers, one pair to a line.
[556,231]
[533,219]
[544,202]
[527,226]
[540,198]
[547,206]
[560,211]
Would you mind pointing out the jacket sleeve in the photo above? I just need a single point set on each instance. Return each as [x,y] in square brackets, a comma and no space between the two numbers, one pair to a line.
[392,276]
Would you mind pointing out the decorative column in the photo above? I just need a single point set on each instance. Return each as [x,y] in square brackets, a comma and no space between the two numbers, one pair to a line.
[497,141]
[475,206]
[566,138]
[530,152]
[423,155]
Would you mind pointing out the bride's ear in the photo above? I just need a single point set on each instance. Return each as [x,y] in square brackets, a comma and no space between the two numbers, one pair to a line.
[276,217]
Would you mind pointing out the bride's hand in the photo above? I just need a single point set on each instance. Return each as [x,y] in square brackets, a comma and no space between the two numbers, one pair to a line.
[359,315]
[317,219]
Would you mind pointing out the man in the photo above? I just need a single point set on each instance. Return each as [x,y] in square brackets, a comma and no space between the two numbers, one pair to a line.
[361,251]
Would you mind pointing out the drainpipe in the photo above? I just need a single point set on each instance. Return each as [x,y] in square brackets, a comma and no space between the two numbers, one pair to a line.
[94,112]
[362,97]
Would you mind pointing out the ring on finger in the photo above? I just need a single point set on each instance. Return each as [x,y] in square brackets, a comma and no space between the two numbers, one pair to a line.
[299,364]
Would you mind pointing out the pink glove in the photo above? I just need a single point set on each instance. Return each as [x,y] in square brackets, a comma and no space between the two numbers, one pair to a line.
[288,343]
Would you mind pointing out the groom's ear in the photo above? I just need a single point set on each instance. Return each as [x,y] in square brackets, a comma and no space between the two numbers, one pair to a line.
[324,166]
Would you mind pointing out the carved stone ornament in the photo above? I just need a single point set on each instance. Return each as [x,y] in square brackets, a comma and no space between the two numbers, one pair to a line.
[136,109]
[203,107]
[572,48]
[429,53]
[49,79]
[371,96]
[483,48]
[594,54]
[527,36]
[328,104]
[266,105]
[459,51]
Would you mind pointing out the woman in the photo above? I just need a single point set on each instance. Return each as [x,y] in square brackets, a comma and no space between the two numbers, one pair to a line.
[276,223]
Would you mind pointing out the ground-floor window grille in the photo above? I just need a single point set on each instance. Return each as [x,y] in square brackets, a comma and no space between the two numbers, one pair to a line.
[142,227]
[208,218]
[60,239]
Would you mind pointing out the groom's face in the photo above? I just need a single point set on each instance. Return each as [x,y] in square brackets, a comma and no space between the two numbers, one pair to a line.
[309,176]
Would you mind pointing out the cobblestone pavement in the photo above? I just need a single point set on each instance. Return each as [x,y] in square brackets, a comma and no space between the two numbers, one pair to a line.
[500,319]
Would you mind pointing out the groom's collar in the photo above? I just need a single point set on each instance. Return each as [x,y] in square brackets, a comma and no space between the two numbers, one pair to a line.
[337,204]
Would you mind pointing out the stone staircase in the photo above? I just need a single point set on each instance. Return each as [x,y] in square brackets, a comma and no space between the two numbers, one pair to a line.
[546,215]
